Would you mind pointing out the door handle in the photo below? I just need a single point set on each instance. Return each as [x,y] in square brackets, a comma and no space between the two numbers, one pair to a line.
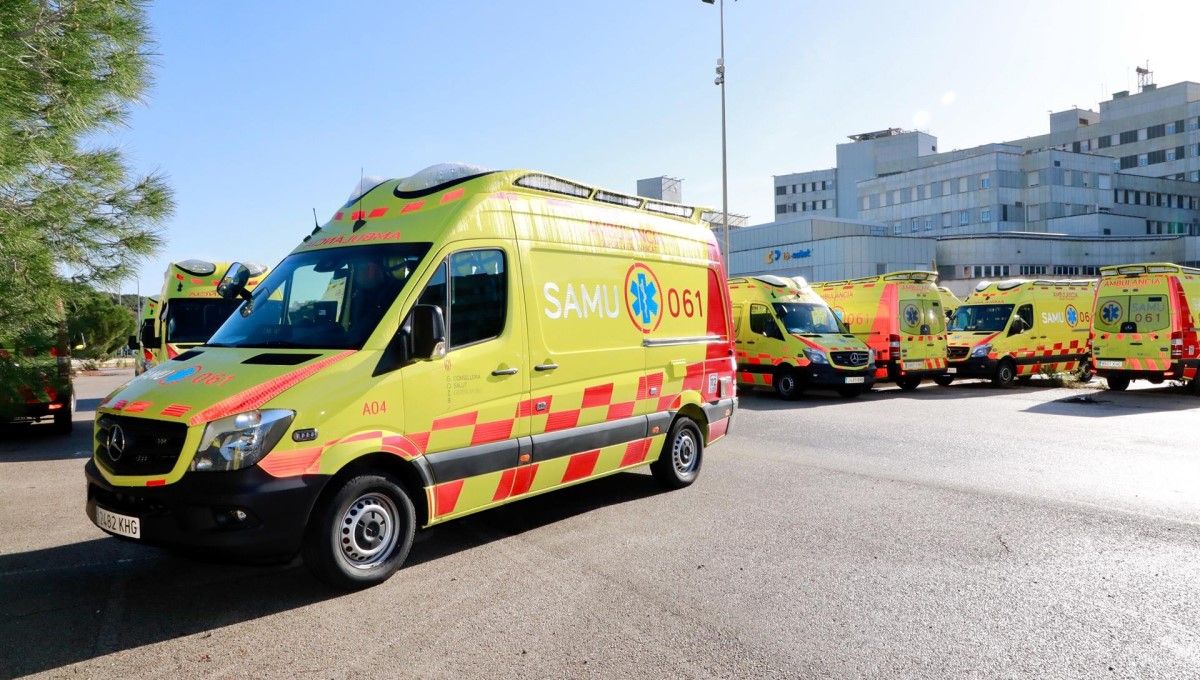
[545,367]
[749,342]
[504,371]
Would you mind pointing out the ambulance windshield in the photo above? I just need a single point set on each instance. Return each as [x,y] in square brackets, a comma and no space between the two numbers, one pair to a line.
[807,318]
[323,299]
[980,318]
[190,320]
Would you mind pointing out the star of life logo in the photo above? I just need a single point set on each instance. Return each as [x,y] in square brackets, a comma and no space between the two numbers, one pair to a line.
[643,297]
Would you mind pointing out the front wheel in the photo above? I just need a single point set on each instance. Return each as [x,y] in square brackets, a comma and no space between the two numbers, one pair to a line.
[1117,383]
[944,380]
[1085,374]
[678,463]
[362,534]
[1006,373]
[787,383]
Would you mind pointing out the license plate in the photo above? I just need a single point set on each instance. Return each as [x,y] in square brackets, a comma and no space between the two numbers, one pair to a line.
[122,525]
[914,365]
[856,381]
[952,370]
[1110,363]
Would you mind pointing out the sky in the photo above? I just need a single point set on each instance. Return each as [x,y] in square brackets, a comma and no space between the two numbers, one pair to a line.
[262,112]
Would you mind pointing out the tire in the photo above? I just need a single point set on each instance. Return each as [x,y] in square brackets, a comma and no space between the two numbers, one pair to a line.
[361,534]
[907,384]
[1006,373]
[678,463]
[1117,383]
[63,422]
[944,380]
[851,391]
[1085,374]
[787,383]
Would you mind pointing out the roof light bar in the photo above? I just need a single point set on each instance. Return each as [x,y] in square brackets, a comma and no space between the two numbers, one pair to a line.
[197,267]
[553,185]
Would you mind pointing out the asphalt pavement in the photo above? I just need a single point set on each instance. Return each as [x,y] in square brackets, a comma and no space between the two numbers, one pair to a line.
[966,531]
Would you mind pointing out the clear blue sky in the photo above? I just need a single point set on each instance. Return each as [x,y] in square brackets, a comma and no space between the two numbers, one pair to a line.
[263,111]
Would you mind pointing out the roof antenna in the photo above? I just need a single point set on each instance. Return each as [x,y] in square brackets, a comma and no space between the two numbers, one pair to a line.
[358,224]
[316,224]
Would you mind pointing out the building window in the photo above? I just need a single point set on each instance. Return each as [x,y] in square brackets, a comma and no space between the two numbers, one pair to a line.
[985,182]
[928,191]
[964,218]
[1156,131]
[780,209]
[915,224]
[896,229]
[824,185]
[1155,157]
[914,194]
[962,184]
[866,202]
[1104,142]
[1129,162]
[1143,160]
[1033,179]
[985,215]
[896,197]
[946,219]
[929,224]
[946,188]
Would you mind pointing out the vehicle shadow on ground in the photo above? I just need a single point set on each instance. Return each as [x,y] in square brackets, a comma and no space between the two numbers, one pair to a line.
[72,603]
[764,400]
[1106,404]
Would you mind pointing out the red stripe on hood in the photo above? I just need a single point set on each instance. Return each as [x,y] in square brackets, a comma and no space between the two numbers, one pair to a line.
[258,395]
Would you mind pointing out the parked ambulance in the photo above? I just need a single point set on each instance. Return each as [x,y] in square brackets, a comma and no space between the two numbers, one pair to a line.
[188,310]
[1144,324]
[950,302]
[788,338]
[145,355]
[447,343]
[1014,330]
[899,316]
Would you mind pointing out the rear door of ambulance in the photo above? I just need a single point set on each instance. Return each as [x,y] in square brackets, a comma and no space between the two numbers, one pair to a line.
[922,327]
[1133,323]
[587,377]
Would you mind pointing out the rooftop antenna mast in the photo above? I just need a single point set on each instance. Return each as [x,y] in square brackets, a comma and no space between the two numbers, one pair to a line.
[1145,76]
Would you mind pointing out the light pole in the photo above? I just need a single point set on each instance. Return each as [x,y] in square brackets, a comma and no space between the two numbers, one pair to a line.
[720,81]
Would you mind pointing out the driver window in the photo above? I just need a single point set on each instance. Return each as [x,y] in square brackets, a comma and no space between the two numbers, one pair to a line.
[478,295]
[762,322]
[1025,314]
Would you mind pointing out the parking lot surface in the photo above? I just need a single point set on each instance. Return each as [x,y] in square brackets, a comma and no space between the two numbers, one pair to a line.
[962,531]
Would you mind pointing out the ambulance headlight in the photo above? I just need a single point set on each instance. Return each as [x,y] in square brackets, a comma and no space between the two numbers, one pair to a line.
[240,441]
[981,351]
[816,356]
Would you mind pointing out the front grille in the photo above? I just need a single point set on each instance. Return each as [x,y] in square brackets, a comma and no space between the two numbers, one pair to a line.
[126,503]
[859,358]
[138,446]
[957,352]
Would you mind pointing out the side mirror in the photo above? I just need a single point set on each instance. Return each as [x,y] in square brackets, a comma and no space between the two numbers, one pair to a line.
[147,336]
[233,284]
[1018,326]
[428,332]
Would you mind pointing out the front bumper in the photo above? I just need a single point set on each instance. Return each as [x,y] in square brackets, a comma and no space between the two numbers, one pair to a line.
[977,367]
[826,375]
[197,512]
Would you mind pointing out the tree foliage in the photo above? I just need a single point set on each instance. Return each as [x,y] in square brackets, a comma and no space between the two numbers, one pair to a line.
[69,70]
[97,325]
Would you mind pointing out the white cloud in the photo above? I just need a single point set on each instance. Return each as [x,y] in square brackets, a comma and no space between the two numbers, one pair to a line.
[949,97]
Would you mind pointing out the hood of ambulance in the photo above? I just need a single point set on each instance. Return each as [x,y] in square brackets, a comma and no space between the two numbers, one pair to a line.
[218,381]
[970,339]
[829,343]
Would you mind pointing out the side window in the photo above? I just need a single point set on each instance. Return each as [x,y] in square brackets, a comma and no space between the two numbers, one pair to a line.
[478,296]
[762,322]
[1026,314]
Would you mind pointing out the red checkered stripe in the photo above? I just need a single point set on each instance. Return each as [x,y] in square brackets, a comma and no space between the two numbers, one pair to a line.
[406,209]
[1048,368]
[472,493]
[1160,364]
[307,460]
[763,379]
[1059,349]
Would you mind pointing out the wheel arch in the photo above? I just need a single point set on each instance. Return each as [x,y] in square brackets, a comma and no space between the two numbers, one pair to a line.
[414,477]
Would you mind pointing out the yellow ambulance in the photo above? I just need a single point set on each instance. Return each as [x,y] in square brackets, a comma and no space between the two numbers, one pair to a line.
[1144,324]
[950,301]
[899,316]
[789,339]
[188,310]
[448,342]
[1014,330]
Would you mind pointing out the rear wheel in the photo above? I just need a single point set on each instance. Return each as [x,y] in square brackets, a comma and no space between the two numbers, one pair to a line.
[1085,374]
[944,380]
[787,383]
[1006,373]
[908,384]
[63,418]
[678,463]
[359,536]
[1117,383]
